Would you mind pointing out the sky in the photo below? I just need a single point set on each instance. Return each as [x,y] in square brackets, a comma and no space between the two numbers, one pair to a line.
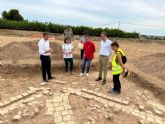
[142,16]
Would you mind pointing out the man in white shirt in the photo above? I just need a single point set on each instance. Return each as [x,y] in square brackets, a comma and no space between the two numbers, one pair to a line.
[104,54]
[45,52]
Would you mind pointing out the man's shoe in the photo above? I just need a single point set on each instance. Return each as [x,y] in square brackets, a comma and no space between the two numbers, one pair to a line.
[87,75]
[99,79]
[81,74]
[51,78]
[114,91]
[45,80]
[72,73]
[104,82]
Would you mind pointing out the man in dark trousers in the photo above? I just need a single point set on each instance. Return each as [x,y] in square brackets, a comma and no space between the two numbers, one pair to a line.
[45,52]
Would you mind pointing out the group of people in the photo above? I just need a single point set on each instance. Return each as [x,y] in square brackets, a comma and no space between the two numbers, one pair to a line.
[87,50]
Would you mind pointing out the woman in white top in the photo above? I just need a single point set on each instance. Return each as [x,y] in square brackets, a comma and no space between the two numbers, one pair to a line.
[67,49]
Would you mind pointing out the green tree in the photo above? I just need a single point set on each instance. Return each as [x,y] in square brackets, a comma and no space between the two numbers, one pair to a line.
[5,15]
[13,14]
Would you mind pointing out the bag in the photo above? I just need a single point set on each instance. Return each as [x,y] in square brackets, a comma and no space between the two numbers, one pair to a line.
[80,46]
[124,58]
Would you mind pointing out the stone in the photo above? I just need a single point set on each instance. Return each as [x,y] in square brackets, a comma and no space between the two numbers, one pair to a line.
[70,112]
[32,114]
[19,96]
[56,104]
[67,118]
[61,82]
[49,105]
[46,92]
[141,107]
[43,84]
[38,95]
[13,99]
[25,113]
[141,122]
[11,108]
[159,121]
[32,88]
[3,111]
[158,112]
[56,114]
[49,101]
[6,102]
[1,122]
[50,93]
[29,99]
[151,119]
[17,117]
[116,110]
[125,102]
[74,83]
[51,109]
[68,107]
[109,117]
[70,122]
[135,114]
[25,94]
[49,113]
[36,110]
[1,104]
[65,112]
[106,105]
[56,99]
[61,108]
[58,119]
[138,93]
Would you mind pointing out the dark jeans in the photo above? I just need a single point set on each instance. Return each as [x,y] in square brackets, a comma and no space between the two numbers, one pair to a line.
[81,54]
[67,62]
[46,66]
[116,82]
[84,63]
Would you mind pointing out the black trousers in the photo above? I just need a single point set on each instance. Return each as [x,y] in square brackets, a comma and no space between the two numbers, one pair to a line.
[81,54]
[116,82]
[68,61]
[46,66]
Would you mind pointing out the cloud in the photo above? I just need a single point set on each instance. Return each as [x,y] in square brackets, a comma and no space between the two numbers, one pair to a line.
[95,13]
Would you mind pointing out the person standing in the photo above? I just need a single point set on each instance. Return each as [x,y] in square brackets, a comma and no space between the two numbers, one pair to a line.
[104,55]
[118,66]
[82,41]
[45,52]
[68,33]
[89,49]
[67,49]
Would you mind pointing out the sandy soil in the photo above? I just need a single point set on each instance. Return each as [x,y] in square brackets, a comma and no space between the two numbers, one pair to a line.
[19,48]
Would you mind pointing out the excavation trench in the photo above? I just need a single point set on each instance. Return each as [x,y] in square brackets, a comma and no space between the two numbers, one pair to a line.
[23,58]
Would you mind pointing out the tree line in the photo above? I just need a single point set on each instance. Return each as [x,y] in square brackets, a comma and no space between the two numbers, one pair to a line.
[14,20]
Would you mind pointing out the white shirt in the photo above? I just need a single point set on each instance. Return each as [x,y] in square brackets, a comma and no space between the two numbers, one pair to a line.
[105,48]
[67,48]
[43,47]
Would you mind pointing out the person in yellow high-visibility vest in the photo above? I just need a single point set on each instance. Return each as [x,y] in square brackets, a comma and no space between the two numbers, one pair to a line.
[118,66]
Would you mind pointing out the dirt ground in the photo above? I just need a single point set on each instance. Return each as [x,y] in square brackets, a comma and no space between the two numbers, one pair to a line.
[20,69]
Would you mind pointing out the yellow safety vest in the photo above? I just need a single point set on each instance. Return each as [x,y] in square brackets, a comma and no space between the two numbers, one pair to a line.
[116,68]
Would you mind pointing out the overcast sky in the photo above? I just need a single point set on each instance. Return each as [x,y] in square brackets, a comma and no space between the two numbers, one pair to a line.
[95,13]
